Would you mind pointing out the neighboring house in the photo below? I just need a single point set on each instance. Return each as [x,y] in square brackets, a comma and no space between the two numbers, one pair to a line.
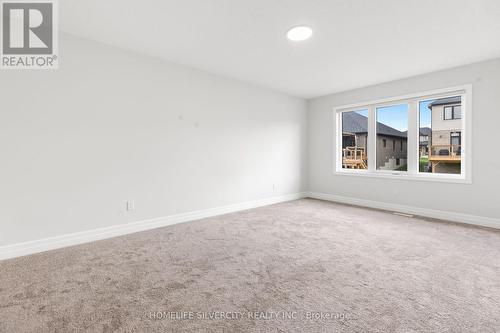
[446,139]
[423,142]
[391,143]
[425,135]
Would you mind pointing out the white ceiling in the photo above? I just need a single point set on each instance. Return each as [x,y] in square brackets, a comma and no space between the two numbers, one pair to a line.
[355,42]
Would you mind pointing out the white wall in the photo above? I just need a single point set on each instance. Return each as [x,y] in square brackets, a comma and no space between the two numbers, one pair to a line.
[480,199]
[109,126]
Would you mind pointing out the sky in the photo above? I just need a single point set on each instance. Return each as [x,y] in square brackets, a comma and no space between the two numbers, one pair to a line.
[396,116]
[425,113]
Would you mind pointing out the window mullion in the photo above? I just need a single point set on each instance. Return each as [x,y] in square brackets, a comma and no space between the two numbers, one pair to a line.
[372,139]
[413,137]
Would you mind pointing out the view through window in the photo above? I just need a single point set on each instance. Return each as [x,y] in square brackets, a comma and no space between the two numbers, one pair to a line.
[416,136]
[392,128]
[355,139]
[440,141]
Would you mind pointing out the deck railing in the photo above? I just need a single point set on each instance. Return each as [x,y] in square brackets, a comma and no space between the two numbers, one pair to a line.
[354,157]
[445,152]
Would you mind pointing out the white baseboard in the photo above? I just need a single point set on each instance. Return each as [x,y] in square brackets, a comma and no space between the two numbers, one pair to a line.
[22,249]
[425,212]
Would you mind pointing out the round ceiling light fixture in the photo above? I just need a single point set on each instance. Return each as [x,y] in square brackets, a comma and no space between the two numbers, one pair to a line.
[298,34]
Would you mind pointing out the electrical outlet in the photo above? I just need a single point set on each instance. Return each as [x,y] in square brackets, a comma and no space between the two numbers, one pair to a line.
[130,205]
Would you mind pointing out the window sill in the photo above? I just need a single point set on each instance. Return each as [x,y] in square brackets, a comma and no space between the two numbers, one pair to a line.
[402,175]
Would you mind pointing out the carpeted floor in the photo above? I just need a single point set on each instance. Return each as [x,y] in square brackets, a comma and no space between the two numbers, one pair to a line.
[301,266]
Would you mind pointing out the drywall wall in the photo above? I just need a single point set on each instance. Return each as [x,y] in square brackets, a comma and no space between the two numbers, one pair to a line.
[479,198]
[110,126]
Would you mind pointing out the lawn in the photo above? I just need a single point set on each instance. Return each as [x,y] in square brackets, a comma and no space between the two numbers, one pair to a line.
[422,163]
[402,168]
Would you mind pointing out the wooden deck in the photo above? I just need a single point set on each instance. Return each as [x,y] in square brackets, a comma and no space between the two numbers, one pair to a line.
[448,159]
[445,153]
[354,158]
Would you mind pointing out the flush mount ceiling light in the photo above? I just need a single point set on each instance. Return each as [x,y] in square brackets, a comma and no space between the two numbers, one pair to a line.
[300,33]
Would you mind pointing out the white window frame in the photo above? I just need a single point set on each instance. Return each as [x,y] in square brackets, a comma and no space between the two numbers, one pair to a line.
[464,91]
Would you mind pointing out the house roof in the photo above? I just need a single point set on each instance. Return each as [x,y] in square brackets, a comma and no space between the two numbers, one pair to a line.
[425,131]
[354,122]
[445,101]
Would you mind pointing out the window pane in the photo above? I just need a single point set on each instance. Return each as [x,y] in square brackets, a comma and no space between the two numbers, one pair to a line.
[455,138]
[392,125]
[354,139]
[457,112]
[448,112]
[442,152]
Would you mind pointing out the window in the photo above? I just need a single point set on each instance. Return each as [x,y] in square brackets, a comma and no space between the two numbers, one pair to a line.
[392,122]
[452,112]
[443,154]
[354,139]
[427,132]
[455,138]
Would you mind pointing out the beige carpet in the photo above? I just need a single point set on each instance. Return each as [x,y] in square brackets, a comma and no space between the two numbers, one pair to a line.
[301,266]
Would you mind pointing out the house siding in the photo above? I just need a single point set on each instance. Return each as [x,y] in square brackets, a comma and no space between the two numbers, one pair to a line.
[384,154]
[441,136]
[447,168]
